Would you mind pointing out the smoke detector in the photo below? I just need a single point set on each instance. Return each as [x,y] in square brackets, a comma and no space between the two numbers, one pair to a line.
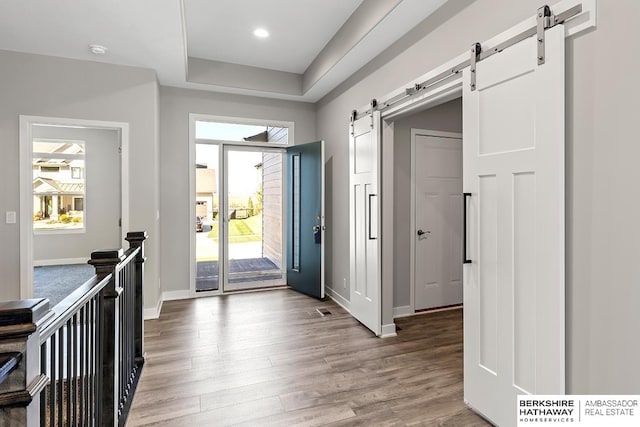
[97,49]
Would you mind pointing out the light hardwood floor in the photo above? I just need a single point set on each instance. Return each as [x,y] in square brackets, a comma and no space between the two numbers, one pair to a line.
[269,359]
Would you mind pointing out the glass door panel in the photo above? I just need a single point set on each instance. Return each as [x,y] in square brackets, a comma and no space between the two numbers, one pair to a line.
[208,242]
[254,212]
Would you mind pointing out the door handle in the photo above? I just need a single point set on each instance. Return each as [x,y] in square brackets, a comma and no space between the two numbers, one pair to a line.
[420,232]
[317,236]
[370,236]
[465,260]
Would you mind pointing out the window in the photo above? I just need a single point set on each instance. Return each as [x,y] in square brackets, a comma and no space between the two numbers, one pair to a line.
[77,172]
[49,169]
[58,185]
[295,214]
[78,204]
[242,132]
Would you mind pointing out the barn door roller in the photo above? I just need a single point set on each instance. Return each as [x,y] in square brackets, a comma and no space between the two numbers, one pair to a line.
[476,50]
[374,107]
[545,20]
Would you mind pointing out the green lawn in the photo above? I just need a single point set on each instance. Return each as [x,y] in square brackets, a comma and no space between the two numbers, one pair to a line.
[241,230]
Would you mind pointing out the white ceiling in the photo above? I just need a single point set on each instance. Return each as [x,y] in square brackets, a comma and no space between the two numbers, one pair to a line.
[223,30]
[161,35]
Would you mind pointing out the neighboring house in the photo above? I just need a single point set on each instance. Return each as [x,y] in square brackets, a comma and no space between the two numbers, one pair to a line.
[206,192]
[58,180]
[52,198]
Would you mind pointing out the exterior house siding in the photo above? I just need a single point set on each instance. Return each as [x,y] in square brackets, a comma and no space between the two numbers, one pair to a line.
[272,198]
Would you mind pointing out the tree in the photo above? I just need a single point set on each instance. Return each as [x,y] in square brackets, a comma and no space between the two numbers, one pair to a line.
[259,197]
[250,206]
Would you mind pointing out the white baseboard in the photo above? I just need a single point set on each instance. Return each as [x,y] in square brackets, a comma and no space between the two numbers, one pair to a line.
[61,261]
[176,295]
[338,299]
[388,331]
[402,311]
[153,312]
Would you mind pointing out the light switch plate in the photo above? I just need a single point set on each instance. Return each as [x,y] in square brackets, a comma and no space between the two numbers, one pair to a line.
[11,217]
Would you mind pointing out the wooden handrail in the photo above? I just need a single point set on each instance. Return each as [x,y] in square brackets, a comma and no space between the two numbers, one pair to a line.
[79,362]
[66,308]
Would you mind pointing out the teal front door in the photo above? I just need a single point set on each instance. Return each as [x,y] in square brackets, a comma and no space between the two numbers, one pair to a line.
[305,218]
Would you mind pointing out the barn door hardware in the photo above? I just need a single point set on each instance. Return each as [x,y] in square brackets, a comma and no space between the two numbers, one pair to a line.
[410,91]
[352,119]
[374,107]
[545,19]
[476,50]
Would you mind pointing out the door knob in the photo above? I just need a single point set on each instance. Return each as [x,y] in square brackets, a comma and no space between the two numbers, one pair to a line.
[420,232]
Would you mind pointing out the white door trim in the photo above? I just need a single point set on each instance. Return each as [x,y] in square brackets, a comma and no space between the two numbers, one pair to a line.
[412,223]
[26,185]
[222,185]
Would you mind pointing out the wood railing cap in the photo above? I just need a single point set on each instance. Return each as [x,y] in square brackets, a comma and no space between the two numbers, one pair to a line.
[26,311]
[134,236]
[106,256]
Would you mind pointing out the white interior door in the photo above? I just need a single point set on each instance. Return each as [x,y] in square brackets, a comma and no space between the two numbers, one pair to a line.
[438,221]
[364,149]
[514,286]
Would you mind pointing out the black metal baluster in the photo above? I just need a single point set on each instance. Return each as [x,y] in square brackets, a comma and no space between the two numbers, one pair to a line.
[60,377]
[123,340]
[127,354]
[68,400]
[46,363]
[90,369]
[121,347]
[87,344]
[129,329]
[74,366]
[83,351]
[98,360]
[52,385]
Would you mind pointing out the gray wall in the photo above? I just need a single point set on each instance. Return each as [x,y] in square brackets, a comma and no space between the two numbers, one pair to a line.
[175,106]
[446,118]
[46,86]
[101,200]
[601,175]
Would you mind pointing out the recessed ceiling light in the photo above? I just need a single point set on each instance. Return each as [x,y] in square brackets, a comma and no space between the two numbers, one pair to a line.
[261,33]
[97,49]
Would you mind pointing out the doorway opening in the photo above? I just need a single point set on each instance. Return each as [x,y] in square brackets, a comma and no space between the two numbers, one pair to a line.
[238,232]
[73,200]
[238,205]
[428,145]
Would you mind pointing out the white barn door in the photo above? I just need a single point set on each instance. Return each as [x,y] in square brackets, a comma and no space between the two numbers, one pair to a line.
[513,152]
[364,225]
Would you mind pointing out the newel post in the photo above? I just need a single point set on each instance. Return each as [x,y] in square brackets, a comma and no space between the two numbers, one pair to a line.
[136,240]
[21,380]
[105,263]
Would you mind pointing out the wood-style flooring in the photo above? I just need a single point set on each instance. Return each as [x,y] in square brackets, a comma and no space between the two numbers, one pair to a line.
[270,359]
